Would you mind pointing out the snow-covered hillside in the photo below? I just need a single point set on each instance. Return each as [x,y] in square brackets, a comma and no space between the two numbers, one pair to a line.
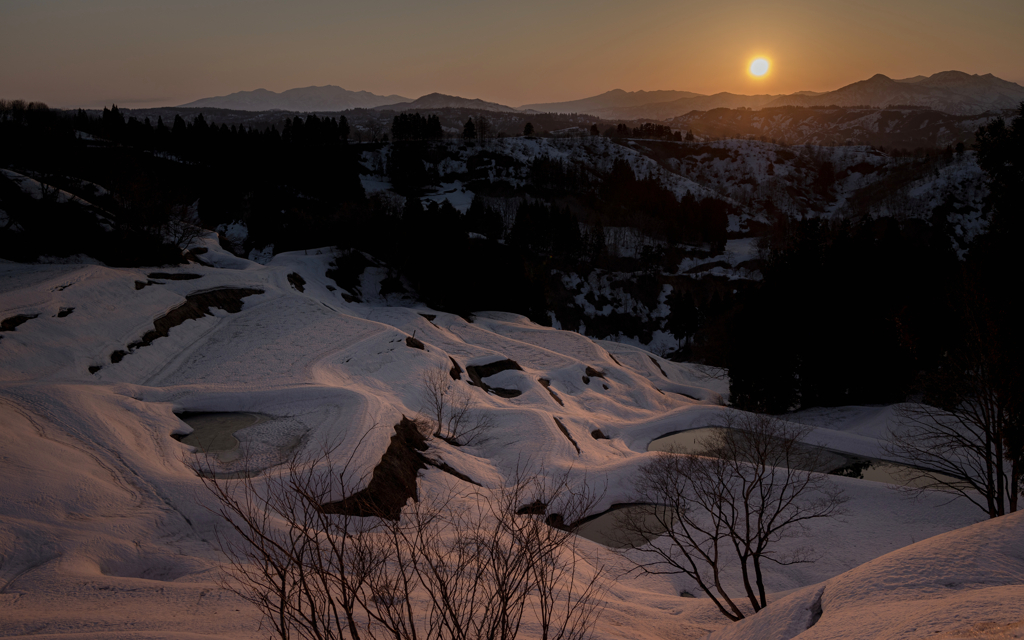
[105,530]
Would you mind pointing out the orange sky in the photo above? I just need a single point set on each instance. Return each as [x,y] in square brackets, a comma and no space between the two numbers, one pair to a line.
[146,53]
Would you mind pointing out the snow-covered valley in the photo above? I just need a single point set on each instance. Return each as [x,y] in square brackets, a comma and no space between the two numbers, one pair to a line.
[107,532]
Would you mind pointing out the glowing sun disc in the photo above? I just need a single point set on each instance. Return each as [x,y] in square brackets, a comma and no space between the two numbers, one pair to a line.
[759,67]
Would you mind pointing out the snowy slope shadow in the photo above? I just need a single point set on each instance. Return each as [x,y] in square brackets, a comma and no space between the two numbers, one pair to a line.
[196,306]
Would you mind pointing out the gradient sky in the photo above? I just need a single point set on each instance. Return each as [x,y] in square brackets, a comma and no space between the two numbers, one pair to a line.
[137,53]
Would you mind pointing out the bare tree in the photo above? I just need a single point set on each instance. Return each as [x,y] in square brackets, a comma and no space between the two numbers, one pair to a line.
[458,564]
[752,484]
[180,226]
[486,558]
[449,406]
[957,451]
[966,438]
[303,568]
[567,598]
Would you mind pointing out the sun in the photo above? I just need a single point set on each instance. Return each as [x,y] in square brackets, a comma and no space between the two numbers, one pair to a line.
[759,67]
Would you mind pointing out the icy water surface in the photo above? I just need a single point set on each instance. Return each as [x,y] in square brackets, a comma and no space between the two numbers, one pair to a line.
[839,463]
[607,528]
[215,432]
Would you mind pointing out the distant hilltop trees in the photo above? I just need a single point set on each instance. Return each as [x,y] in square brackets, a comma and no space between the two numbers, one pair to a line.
[648,131]
[413,126]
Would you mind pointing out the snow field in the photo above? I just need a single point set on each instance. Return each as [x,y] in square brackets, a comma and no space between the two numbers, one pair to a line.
[105,531]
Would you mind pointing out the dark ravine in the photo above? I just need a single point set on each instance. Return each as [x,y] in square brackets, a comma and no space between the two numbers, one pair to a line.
[196,305]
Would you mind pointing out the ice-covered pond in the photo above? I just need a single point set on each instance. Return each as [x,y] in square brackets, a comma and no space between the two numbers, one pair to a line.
[214,433]
[267,441]
[838,463]
[606,528]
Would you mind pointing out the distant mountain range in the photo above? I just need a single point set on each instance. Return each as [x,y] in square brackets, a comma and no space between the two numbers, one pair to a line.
[441,101]
[329,98]
[951,92]
[614,99]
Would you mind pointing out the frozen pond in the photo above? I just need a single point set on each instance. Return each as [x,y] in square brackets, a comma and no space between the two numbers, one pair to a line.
[838,463]
[215,432]
[606,528]
[266,441]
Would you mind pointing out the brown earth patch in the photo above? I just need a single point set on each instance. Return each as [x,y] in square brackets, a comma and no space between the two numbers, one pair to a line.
[565,432]
[456,371]
[196,305]
[447,468]
[394,478]
[547,385]
[12,323]
[414,343]
[479,372]
[297,281]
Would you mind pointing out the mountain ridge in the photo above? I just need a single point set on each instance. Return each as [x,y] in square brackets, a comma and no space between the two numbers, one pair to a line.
[444,101]
[951,92]
[313,98]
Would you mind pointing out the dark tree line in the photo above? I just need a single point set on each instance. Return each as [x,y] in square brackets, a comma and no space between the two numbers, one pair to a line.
[413,126]
[290,184]
[848,315]
[647,131]
[646,204]
[882,310]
